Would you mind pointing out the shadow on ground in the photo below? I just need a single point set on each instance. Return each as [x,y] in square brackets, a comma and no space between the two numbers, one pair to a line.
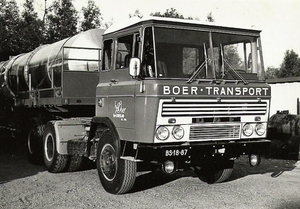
[14,163]
[274,167]
[153,179]
[13,160]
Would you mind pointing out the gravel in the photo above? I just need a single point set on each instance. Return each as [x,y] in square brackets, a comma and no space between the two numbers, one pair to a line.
[275,184]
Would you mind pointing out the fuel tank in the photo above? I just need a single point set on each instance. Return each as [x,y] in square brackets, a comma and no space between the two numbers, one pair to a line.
[43,67]
[284,133]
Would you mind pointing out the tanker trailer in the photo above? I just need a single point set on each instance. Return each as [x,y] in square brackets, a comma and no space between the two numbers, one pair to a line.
[284,133]
[53,81]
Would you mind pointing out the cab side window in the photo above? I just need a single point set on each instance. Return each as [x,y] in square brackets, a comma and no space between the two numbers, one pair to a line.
[124,51]
[107,54]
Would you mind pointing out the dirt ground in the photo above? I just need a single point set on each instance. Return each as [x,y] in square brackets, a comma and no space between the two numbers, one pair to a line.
[275,184]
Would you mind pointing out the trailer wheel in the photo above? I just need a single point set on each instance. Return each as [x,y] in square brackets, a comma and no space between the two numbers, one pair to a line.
[54,161]
[117,175]
[212,176]
[35,141]
[75,163]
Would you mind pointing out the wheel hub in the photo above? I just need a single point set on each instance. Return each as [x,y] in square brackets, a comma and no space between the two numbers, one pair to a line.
[108,163]
[49,147]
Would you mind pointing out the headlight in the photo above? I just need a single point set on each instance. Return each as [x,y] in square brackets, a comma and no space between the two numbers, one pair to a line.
[247,129]
[260,129]
[162,133]
[178,132]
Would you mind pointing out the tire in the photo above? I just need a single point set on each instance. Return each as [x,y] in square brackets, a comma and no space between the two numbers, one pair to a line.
[35,141]
[75,163]
[212,176]
[117,175]
[54,161]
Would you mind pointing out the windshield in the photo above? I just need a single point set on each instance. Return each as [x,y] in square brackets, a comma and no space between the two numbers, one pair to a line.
[191,54]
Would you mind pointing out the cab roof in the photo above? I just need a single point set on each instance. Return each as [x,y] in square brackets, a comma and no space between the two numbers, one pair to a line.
[135,21]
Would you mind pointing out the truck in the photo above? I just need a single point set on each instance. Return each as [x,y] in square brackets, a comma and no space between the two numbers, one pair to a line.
[148,94]
[283,128]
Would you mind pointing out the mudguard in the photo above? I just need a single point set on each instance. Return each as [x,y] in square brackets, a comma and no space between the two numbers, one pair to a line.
[69,129]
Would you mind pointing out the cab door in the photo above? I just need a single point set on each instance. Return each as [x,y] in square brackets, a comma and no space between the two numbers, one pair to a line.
[122,86]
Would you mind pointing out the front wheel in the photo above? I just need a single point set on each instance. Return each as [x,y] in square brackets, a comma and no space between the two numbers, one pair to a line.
[117,175]
[54,161]
[212,176]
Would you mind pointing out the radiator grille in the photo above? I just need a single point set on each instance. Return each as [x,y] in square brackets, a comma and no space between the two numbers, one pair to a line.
[213,109]
[215,132]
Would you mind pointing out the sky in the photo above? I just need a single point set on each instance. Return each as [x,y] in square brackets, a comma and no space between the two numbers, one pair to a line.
[278,19]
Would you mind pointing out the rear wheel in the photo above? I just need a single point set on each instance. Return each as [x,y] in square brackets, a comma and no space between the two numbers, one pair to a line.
[54,161]
[75,163]
[211,175]
[35,141]
[117,175]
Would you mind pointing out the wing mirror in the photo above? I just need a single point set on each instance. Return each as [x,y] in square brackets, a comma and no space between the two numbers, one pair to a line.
[134,67]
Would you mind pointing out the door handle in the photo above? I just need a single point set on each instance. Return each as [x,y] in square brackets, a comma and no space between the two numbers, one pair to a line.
[114,81]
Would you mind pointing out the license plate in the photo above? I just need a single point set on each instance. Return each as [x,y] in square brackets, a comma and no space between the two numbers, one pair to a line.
[176,152]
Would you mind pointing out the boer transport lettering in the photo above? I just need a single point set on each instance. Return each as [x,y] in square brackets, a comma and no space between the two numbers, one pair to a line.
[216,91]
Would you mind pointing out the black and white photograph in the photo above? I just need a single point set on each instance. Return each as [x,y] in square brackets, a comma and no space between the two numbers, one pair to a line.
[149,104]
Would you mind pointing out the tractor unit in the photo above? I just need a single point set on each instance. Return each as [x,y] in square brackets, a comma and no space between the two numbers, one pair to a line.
[145,95]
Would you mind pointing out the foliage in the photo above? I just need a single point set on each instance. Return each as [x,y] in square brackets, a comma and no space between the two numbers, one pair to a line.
[232,56]
[136,13]
[210,17]
[91,15]
[272,72]
[31,28]
[62,21]
[9,25]
[168,13]
[2,26]
[290,66]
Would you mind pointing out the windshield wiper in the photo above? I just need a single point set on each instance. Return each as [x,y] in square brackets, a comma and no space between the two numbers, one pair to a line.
[197,71]
[236,75]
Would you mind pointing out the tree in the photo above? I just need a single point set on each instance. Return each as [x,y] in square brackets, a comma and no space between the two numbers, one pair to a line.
[2,29]
[136,13]
[92,16]
[210,17]
[9,22]
[168,13]
[61,21]
[290,66]
[30,27]
[232,56]
[272,73]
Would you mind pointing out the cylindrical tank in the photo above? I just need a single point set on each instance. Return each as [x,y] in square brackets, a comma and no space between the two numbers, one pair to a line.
[42,67]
